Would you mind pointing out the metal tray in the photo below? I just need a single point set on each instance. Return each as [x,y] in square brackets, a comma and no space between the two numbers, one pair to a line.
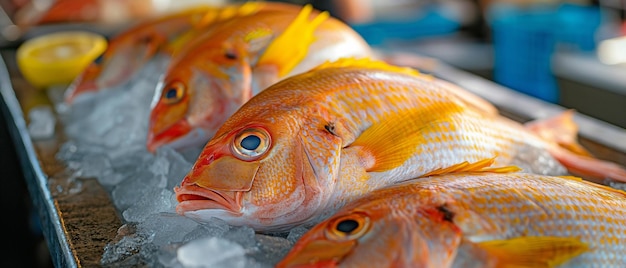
[77,226]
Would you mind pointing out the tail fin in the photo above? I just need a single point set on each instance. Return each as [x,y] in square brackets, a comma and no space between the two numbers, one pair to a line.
[562,131]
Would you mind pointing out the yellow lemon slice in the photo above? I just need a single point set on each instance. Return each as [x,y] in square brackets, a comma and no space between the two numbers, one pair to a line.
[57,58]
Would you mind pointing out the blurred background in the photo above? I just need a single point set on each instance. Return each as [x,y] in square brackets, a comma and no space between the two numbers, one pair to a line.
[571,53]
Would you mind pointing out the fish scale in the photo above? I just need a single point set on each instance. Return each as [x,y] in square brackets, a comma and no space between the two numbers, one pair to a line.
[484,207]
[346,130]
[551,196]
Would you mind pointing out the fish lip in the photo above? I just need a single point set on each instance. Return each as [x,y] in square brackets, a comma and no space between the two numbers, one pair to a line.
[180,129]
[194,197]
[80,89]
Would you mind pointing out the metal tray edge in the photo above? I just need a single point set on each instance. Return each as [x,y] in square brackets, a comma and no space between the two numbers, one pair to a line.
[36,180]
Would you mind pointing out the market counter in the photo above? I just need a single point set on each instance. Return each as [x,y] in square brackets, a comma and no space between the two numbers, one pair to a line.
[78,224]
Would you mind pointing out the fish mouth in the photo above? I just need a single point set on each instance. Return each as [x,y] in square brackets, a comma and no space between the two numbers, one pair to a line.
[80,89]
[193,197]
[320,253]
[177,136]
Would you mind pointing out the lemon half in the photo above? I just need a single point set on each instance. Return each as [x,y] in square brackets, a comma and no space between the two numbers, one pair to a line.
[57,58]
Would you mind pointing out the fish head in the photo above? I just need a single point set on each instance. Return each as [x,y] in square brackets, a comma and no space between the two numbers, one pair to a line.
[124,56]
[262,174]
[376,232]
[195,96]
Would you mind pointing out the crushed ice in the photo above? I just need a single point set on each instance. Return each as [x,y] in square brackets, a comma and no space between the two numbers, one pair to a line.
[41,122]
[106,141]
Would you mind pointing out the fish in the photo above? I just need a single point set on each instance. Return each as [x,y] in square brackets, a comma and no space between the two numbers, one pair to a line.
[308,144]
[479,218]
[164,35]
[222,69]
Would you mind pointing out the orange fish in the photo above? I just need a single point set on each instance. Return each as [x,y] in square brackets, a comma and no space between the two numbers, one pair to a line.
[308,144]
[476,219]
[225,67]
[130,50]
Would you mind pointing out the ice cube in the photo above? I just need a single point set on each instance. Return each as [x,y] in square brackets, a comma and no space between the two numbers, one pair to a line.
[109,180]
[131,189]
[270,249]
[242,235]
[41,122]
[296,233]
[154,201]
[212,252]
[127,243]
[178,166]
[94,165]
[214,227]
[167,227]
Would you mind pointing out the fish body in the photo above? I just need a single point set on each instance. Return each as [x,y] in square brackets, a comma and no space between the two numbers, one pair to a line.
[165,35]
[226,66]
[479,219]
[301,149]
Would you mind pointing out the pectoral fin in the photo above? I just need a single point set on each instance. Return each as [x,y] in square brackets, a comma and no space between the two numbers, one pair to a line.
[290,47]
[540,251]
[390,142]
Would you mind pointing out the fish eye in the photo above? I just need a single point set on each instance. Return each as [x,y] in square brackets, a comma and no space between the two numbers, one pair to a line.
[147,39]
[173,92]
[348,227]
[99,59]
[231,55]
[251,143]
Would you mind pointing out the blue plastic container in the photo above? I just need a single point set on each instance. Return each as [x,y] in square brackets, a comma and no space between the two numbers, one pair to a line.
[524,41]
[430,22]
[578,25]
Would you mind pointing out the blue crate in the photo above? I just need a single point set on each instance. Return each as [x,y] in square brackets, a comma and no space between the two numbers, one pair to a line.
[578,25]
[429,22]
[524,41]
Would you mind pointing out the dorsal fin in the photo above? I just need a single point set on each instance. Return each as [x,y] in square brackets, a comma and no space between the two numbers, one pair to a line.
[236,10]
[292,45]
[212,16]
[366,63]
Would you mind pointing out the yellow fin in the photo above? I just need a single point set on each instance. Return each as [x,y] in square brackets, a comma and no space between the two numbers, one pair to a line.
[367,63]
[480,166]
[291,47]
[236,10]
[212,16]
[395,139]
[537,251]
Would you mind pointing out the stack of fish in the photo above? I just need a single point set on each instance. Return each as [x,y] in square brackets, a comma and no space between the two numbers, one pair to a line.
[390,166]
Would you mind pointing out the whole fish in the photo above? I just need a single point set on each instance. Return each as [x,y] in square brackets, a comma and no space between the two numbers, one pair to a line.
[476,219]
[302,148]
[131,49]
[226,66]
